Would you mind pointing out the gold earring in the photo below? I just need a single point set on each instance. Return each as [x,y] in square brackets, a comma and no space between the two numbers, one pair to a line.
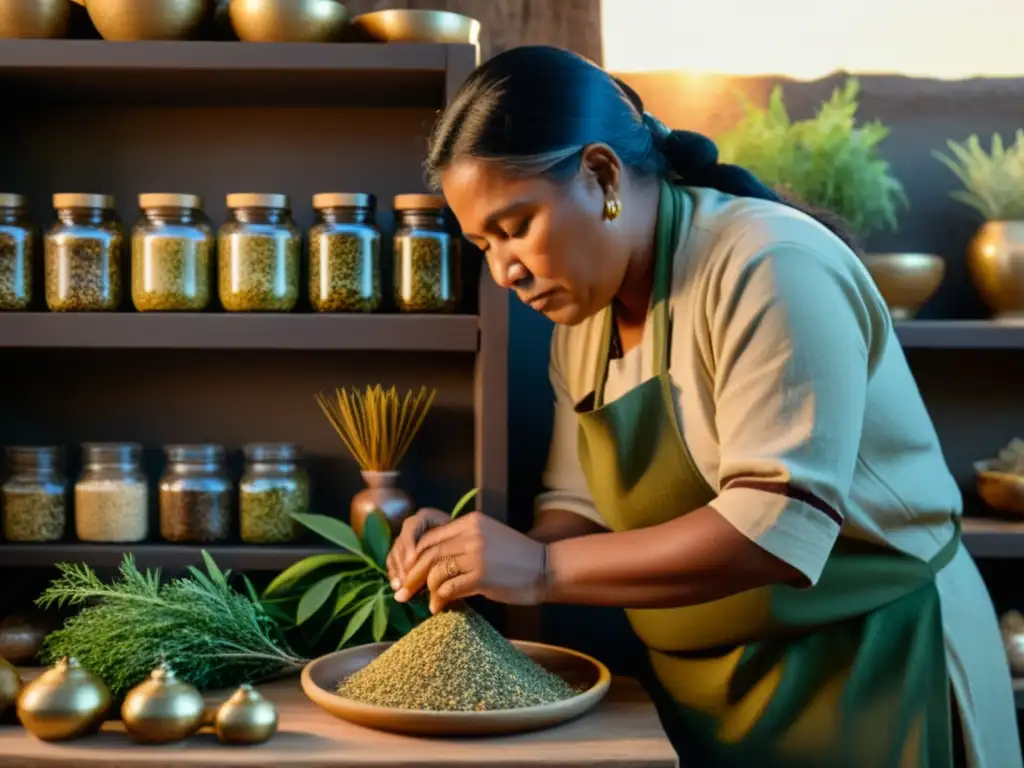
[612,209]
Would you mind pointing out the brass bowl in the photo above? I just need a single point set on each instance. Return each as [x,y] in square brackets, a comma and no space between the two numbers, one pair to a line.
[906,280]
[321,676]
[410,26]
[288,21]
[995,258]
[1003,491]
[34,18]
[126,20]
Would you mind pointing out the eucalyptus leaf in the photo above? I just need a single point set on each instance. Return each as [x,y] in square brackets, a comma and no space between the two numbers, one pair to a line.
[356,622]
[315,597]
[332,529]
[380,615]
[377,537]
[280,612]
[288,577]
[346,598]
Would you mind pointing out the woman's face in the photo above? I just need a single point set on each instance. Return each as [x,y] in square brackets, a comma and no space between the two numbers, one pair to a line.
[549,241]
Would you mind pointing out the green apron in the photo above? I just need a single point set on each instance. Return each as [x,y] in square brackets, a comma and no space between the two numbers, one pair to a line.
[849,672]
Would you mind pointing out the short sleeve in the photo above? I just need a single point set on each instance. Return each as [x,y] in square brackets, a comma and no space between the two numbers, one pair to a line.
[792,335]
[563,479]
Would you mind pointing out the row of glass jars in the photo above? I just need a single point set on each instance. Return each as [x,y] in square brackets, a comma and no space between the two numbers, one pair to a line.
[195,494]
[259,251]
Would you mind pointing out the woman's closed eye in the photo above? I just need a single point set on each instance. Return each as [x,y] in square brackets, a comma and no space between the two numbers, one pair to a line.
[521,229]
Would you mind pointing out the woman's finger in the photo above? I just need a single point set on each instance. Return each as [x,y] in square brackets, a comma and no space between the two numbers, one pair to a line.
[395,559]
[462,586]
[413,530]
[439,535]
[447,567]
[416,576]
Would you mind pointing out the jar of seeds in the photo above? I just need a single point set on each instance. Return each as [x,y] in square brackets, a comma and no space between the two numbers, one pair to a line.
[82,254]
[428,274]
[111,496]
[344,254]
[17,247]
[35,495]
[195,495]
[172,246]
[259,250]
[274,486]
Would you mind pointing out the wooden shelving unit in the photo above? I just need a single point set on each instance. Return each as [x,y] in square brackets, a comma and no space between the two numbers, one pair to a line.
[213,118]
[960,334]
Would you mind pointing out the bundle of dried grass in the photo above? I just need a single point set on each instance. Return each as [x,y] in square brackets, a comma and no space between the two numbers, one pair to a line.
[376,425]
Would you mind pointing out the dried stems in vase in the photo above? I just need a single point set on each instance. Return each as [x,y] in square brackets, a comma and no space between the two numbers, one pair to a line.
[377,427]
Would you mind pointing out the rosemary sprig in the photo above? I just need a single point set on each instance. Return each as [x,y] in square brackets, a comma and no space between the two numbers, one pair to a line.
[212,635]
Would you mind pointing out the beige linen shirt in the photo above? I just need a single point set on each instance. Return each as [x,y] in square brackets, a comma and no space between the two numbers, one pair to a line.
[799,408]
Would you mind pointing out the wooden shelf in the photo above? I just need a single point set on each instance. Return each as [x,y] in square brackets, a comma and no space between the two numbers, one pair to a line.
[144,330]
[239,557]
[174,73]
[960,334]
[994,539]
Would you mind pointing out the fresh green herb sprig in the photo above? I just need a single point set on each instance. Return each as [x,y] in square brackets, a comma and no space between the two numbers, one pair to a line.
[211,635]
[993,181]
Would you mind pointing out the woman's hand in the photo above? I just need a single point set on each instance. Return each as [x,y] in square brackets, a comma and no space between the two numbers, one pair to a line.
[403,551]
[476,555]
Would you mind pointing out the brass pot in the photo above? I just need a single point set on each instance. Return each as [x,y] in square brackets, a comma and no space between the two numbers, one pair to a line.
[162,709]
[906,280]
[995,258]
[405,25]
[34,18]
[288,21]
[65,702]
[125,20]
[245,718]
[381,494]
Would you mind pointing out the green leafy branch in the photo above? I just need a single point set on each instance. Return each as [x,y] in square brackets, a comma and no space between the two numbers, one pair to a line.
[993,181]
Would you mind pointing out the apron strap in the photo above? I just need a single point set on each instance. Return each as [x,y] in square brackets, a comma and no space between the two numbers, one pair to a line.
[670,217]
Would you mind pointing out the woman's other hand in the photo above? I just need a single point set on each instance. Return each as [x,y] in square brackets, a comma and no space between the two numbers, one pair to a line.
[476,555]
[402,554]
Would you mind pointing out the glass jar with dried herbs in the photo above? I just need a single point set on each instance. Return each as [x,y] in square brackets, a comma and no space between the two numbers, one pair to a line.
[344,253]
[17,248]
[259,252]
[172,248]
[112,495]
[82,254]
[35,495]
[274,486]
[428,265]
[195,494]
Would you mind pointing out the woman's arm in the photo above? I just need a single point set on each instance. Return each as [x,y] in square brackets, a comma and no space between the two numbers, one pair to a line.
[560,524]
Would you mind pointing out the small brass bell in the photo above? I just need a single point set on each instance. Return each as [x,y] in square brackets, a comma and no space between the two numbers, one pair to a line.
[162,708]
[245,718]
[64,702]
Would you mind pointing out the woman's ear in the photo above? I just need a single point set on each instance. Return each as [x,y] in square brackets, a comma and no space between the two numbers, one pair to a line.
[603,167]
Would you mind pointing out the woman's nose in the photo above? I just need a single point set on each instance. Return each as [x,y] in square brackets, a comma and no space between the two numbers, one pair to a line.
[506,271]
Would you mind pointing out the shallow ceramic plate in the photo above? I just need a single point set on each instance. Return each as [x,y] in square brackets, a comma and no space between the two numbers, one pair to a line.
[321,676]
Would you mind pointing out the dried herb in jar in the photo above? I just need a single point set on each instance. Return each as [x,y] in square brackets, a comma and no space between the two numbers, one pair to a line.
[111,510]
[344,271]
[266,513]
[15,271]
[265,272]
[34,514]
[170,273]
[199,516]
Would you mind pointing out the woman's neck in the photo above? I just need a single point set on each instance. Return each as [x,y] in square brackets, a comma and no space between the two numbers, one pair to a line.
[634,296]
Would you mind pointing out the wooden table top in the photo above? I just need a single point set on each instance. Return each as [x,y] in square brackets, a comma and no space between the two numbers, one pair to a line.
[622,731]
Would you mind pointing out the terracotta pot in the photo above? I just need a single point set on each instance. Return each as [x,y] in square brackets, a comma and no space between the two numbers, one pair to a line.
[382,494]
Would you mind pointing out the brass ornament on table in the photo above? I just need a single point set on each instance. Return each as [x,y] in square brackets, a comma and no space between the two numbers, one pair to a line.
[995,259]
[405,25]
[65,702]
[20,639]
[34,19]
[128,20]
[10,685]
[162,708]
[288,21]
[906,280]
[245,718]
[378,427]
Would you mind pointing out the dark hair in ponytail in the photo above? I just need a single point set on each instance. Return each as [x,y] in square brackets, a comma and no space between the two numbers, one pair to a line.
[534,108]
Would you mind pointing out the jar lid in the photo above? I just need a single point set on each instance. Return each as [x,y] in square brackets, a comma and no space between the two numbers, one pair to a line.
[83,200]
[417,202]
[344,200]
[39,454]
[111,453]
[199,452]
[169,200]
[257,200]
[11,200]
[271,452]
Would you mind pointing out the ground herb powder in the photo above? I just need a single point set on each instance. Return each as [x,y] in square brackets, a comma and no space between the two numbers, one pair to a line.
[455,662]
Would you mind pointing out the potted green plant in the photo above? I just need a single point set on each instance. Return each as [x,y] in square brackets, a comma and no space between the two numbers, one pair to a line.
[832,162]
[993,185]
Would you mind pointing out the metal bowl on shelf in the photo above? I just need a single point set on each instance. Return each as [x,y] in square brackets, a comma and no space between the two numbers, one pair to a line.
[412,26]
[321,676]
[906,280]
[289,21]
[34,18]
[126,20]
[1003,491]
